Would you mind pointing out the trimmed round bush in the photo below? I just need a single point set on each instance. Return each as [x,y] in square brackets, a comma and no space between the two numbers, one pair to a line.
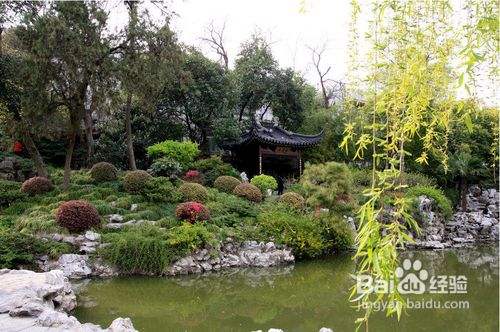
[37,185]
[77,216]
[135,181]
[264,182]
[192,212]
[293,199]
[226,183]
[193,192]
[103,171]
[248,191]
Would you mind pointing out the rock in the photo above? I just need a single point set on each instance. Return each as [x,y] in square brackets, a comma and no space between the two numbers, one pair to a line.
[121,325]
[134,207]
[274,330]
[31,301]
[74,266]
[27,293]
[325,329]
[92,236]
[115,218]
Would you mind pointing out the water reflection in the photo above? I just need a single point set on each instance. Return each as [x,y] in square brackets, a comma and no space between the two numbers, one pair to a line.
[303,297]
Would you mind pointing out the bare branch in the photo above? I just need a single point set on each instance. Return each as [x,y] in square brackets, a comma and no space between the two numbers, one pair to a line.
[215,40]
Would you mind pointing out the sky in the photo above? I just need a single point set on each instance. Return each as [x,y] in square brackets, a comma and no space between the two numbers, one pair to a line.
[290,26]
[289,29]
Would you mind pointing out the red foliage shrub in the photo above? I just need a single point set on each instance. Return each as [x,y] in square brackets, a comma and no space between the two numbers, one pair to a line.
[192,212]
[78,215]
[37,185]
[193,176]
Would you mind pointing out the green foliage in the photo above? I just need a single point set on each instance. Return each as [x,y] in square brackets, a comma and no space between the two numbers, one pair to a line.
[166,167]
[248,191]
[441,201]
[19,250]
[103,171]
[226,183]
[193,192]
[182,152]
[296,230]
[293,199]
[337,234]
[160,189]
[212,168]
[10,192]
[264,182]
[149,249]
[229,210]
[328,185]
[135,181]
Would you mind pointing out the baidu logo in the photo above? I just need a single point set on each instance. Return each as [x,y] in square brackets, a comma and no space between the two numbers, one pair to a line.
[411,277]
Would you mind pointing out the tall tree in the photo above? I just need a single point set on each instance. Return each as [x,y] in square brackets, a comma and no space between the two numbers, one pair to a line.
[66,44]
[151,57]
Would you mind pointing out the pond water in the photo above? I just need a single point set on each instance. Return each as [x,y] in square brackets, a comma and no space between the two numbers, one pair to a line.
[302,297]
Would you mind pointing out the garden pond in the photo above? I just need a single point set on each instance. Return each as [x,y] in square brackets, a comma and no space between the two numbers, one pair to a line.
[301,297]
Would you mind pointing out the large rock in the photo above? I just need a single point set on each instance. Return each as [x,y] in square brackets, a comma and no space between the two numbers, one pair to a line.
[230,254]
[31,301]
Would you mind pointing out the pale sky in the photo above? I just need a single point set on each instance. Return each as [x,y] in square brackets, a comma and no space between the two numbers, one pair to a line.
[289,29]
[282,22]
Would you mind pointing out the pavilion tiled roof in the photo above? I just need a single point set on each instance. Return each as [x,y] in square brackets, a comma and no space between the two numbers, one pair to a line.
[271,133]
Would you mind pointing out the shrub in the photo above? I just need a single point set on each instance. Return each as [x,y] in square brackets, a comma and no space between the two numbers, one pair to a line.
[18,250]
[10,192]
[212,168]
[442,202]
[183,152]
[103,171]
[77,216]
[160,189]
[193,176]
[264,182]
[194,192]
[226,183]
[135,181]
[248,191]
[327,185]
[298,231]
[293,199]
[166,167]
[337,234]
[192,212]
[37,185]
[228,210]
[150,250]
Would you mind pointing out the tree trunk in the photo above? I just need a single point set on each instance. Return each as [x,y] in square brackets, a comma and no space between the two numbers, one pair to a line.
[69,156]
[88,134]
[35,156]
[128,133]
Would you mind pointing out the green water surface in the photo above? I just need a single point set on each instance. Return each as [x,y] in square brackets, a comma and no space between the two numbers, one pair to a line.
[301,297]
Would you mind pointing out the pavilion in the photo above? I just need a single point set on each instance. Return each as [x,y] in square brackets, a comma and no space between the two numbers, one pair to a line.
[266,148]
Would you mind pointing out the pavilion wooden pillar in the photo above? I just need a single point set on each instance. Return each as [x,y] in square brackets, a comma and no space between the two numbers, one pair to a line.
[300,163]
[260,160]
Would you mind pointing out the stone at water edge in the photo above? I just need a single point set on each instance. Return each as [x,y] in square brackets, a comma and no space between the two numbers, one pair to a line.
[115,218]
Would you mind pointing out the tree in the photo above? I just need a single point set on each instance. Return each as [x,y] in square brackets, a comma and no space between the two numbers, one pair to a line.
[261,83]
[151,58]
[215,40]
[66,44]
[202,100]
